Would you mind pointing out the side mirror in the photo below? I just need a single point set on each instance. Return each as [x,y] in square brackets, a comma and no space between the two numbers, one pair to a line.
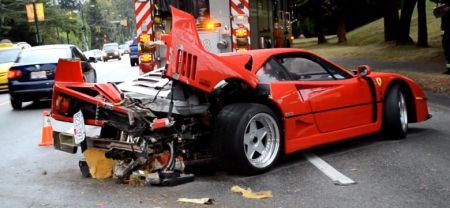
[363,70]
[92,60]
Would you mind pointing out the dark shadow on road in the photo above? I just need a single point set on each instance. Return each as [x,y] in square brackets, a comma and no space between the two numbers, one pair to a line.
[37,105]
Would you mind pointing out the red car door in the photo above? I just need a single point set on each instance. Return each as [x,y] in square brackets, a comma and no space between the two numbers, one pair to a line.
[337,99]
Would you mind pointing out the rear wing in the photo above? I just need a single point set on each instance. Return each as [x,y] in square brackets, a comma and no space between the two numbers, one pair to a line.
[190,63]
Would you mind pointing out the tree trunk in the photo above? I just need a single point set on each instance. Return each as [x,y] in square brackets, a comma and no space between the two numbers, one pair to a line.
[422,35]
[405,22]
[319,22]
[341,31]
[391,17]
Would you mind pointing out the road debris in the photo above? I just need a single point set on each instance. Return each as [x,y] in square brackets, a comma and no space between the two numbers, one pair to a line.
[99,166]
[196,201]
[249,194]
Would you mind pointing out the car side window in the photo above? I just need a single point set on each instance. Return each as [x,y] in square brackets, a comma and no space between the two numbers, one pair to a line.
[337,73]
[77,54]
[272,71]
[302,68]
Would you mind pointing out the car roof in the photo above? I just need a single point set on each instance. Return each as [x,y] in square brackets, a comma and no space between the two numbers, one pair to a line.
[45,47]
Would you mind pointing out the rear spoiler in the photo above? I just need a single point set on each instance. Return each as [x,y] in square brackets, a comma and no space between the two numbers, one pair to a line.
[190,63]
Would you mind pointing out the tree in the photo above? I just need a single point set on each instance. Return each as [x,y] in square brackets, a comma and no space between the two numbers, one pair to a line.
[391,19]
[422,35]
[405,22]
[318,17]
[96,18]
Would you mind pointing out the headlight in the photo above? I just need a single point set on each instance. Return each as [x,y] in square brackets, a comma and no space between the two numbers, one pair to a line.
[115,52]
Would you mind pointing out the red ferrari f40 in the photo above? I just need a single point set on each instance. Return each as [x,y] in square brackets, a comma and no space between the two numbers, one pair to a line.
[241,109]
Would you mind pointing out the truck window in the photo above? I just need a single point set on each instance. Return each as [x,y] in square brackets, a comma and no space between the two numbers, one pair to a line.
[197,8]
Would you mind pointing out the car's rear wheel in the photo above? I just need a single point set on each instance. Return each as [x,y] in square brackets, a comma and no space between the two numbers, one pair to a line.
[247,138]
[120,58]
[16,103]
[395,114]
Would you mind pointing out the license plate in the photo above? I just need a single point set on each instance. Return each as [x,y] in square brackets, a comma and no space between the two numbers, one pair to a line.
[79,130]
[39,75]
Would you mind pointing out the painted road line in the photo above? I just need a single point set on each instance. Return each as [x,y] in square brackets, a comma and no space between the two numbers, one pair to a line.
[337,177]
[4,103]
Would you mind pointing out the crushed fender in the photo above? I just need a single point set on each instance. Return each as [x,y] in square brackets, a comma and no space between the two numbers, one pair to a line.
[99,166]
[249,194]
[196,201]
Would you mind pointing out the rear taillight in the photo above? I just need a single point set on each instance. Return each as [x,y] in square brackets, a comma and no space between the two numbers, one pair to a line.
[62,105]
[14,74]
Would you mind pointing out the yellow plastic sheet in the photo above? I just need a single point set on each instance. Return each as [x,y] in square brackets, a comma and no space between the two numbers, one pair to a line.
[99,166]
[249,194]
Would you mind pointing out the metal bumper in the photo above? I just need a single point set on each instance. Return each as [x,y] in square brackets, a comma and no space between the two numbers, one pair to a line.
[63,135]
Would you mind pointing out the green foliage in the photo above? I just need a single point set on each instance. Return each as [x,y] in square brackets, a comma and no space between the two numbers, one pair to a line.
[58,22]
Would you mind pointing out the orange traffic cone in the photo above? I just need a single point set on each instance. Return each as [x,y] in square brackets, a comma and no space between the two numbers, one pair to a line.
[47,131]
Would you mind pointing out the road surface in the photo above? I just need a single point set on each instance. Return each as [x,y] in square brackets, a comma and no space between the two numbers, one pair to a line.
[408,173]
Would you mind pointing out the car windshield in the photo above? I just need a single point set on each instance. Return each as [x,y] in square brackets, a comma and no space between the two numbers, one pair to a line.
[9,55]
[51,55]
[110,47]
[123,47]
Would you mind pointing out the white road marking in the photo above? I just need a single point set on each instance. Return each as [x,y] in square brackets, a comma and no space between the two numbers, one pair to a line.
[337,177]
[4,103]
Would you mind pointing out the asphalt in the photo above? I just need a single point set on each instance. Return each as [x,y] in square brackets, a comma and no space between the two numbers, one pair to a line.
[402,173]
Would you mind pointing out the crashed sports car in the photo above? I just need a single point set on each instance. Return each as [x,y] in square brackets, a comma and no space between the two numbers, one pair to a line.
[242,109]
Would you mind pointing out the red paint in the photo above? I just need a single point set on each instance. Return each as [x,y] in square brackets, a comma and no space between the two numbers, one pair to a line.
[69,70]
[109,91]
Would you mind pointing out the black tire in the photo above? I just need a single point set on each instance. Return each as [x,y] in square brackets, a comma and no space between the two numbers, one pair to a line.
[105,60]
[16,104]
[120,58]
[231,124]
[395,124]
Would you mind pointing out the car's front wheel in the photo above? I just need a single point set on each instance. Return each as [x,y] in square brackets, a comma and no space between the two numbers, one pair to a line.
[395,114]
[247,138]
[16,103]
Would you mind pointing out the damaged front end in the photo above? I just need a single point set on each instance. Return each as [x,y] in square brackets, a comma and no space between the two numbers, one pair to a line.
[150,124]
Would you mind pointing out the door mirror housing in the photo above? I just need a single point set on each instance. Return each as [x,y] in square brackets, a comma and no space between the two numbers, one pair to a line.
[92,60]
[364,70]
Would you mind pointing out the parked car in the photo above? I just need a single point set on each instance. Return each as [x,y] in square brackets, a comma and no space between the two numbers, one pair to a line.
[134,53]
[96,54]
[8,55]
[31,78]
[111,51]
[243,110]
[124,49]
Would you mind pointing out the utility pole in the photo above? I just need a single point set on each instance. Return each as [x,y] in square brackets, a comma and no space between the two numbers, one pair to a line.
[84,26]
[38,36]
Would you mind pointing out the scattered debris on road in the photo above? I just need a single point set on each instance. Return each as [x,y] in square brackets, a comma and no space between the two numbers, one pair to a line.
[196,201]
[100,167]
[249,194]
